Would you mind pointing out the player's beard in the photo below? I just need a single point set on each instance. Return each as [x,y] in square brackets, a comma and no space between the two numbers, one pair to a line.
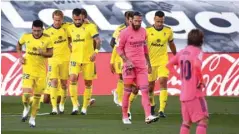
[78,24]
[136,27]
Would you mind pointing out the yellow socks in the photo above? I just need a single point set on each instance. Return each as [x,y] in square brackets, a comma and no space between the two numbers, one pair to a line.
[35,105]
[87,97]
[73,93]
[151,98]
[131,99]
[26,99]
[163,99]
[119,90]
[63,96]
[53,91]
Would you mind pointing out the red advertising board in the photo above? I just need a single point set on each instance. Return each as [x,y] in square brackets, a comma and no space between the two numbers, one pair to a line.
[221,73]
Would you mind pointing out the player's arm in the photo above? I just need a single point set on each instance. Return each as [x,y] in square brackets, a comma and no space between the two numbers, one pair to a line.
[112,42]
[172,62]
[146,53]
[49,50]
[95,35]
[113,39]
[19,45]
[112,60]
[172,46]
[198,72]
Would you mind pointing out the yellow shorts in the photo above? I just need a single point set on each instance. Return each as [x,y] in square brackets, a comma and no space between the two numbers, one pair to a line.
[157,72]
[59,70]
[38,84]
[48,91]
[88,70]
[118,67]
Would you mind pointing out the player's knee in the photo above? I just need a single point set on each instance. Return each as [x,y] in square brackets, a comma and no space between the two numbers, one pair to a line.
[88,83]
[73,78]
[120,77]
[163,82]
[135,90]
[54,82]
[26,90]
[188,123]
[204,121]
[64,85]
[144,88]
[151,87]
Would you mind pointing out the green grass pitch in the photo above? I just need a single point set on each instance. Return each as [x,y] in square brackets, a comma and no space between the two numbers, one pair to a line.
[105,118]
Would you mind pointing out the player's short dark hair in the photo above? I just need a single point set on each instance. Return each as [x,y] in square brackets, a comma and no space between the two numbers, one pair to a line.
[83,12]
[195,37]
[76,11]
[159,14]
[37,23]
[136,13]
[129,14]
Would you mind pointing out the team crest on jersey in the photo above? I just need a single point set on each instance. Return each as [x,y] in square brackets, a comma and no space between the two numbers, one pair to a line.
[28,42]
[60,37]
[52,33]
[164,34]
[77,36]
[158,40]
[34,49]
[152,34]
[131,37]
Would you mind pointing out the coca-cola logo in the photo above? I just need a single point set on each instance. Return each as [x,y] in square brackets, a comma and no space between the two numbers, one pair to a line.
[221,74]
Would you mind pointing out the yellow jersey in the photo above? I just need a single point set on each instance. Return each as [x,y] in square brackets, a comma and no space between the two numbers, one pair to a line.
[59,37]
[115,56]
[157,41]
[35,65]
[82,41]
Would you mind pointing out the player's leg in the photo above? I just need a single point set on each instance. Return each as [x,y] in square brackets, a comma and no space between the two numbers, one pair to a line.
[39,86]
[64,69]
[128,82]
[163,78]
[200,115]
[185,127]
[142,82]
[118,94]
[74,71]
[27,84]
[89,74]
[152,78]
[132,97]
[53,76]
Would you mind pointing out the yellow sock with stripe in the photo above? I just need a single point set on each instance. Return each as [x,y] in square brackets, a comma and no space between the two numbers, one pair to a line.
[53,91]
[132,97]
[120,90]
[163,99]
[87,97]
[63,96]
[73,93]
[35,105]
[26,99]
[151,98]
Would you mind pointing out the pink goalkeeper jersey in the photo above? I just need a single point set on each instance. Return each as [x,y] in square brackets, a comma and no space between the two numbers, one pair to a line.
[190,62]
[132,44]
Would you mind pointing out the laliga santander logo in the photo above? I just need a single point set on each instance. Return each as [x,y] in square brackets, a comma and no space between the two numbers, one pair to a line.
[221,75]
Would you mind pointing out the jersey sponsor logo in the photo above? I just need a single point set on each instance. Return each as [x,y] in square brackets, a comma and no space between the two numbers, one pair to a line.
[157,43]
[32,53]
[137,43]
[78,39]
[60,40]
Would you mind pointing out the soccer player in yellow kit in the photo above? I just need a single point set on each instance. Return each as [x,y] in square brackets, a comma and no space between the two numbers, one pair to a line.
[116,64]
[58,67]
[158,39]
[38,48]
[82,57]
